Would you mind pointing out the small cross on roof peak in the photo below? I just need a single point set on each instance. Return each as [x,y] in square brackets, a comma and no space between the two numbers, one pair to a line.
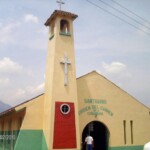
[60,2]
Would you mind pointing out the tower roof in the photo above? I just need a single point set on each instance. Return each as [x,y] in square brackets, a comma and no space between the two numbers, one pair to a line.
[60,13]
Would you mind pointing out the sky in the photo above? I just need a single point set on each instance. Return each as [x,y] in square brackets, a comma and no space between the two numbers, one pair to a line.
[117,45]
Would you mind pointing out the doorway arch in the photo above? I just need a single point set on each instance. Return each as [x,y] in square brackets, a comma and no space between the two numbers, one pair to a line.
[100,134]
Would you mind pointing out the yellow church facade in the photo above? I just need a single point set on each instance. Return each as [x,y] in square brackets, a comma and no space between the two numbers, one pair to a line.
[71,108]
[115,118]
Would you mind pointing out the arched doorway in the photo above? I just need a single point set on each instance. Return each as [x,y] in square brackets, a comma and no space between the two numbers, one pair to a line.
[100,134]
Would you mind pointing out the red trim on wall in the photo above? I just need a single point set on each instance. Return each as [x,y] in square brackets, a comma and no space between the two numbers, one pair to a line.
[64,127]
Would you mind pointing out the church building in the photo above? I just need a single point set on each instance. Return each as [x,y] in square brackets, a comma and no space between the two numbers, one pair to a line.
[71,107]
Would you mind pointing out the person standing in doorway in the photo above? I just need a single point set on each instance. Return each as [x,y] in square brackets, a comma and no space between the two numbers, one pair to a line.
[89,142]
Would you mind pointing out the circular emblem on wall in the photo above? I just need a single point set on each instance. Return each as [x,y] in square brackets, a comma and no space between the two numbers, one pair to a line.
[65,109]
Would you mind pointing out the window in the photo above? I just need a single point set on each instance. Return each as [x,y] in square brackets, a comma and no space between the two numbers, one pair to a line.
[51,31]
[65,108]
[124,127]
[131,127]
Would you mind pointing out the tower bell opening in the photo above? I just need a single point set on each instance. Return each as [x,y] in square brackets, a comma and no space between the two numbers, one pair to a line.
[64,26]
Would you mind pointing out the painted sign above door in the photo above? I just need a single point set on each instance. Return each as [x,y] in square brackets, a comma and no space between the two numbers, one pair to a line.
[95,107]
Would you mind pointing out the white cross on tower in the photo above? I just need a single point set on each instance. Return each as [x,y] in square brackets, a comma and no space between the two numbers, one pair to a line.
[66,62]
[60,2]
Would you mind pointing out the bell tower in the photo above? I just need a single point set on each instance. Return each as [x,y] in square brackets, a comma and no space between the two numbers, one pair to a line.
[61,128]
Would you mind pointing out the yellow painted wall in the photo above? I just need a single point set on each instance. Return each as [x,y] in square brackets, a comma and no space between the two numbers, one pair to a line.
[31,113]
[33,118]
[121,104]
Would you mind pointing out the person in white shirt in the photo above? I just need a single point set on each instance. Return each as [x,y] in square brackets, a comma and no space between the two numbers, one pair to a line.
[90,142]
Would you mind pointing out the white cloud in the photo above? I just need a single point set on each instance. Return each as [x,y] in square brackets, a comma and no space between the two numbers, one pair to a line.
[18,94]
[34,90]
[114,67]
[31,18]
[8,66]
[17,82]
[41,87]
[23,94]
[13,30]
[119,74]
[4,82]
[6,32]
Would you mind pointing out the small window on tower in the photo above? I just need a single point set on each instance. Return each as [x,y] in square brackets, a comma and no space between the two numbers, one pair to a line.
[51,31]
[64,27]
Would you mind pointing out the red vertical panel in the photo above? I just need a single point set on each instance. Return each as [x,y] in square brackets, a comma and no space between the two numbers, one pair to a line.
[64,127]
